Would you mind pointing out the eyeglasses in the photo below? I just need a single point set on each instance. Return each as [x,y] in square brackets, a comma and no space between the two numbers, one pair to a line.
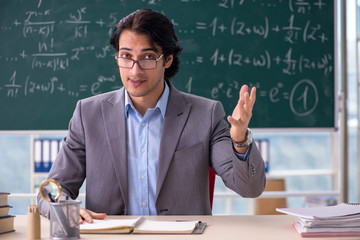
[145,64]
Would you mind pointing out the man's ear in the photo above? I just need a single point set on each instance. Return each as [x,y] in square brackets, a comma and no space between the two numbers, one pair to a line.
[169,60]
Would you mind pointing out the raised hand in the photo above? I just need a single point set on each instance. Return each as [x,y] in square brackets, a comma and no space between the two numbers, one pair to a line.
[241,115]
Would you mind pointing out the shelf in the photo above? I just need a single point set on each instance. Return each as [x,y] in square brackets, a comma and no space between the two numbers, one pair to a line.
[301,172]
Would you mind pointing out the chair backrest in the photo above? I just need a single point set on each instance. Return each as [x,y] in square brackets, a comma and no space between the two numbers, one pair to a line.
[212,176]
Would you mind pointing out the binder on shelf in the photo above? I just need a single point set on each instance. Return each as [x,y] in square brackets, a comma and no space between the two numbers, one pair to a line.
[46,155]
[54,150]
[37,156]
[45,152]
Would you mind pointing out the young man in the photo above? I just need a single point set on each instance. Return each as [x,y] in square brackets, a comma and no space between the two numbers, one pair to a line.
[146,149]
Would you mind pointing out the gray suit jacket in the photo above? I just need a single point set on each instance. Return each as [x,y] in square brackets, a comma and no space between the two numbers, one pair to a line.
[195,137]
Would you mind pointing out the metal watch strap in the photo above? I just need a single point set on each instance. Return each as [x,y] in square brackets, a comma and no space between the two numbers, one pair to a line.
[247,142]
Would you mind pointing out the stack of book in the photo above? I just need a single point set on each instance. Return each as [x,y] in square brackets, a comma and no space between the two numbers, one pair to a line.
[6,220]
[342,220]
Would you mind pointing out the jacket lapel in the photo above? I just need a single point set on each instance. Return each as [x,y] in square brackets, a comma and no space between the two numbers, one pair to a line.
[177,113]
[115,127]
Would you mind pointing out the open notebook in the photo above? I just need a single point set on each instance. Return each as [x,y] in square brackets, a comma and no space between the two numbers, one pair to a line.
[141,225]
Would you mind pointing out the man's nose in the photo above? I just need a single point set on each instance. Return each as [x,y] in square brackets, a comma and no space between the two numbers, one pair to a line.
[136,68]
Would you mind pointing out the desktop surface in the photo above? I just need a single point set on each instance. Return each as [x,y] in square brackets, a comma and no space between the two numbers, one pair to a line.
[268,227]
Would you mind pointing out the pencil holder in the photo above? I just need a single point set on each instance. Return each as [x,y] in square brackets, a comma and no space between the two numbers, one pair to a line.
[65,219]
[34,228]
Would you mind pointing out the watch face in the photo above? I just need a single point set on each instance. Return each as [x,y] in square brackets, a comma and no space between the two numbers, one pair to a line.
[243,144]
[249,137]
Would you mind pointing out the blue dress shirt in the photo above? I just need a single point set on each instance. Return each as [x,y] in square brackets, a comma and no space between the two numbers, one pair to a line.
[143,144]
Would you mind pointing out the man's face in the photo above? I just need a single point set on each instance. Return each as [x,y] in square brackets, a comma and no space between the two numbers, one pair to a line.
[140,83]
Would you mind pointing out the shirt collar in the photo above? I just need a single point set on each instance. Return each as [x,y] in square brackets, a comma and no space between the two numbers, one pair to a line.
[161,104]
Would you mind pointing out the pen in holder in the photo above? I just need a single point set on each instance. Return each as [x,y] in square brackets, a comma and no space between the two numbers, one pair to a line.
[65,219]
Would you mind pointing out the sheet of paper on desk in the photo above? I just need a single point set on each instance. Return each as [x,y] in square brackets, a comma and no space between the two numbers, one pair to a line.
[110,226]
[149,226]
[339,211]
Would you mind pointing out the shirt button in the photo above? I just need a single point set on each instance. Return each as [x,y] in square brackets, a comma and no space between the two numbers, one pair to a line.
[142,150]
[143,204]
[142,177]
[143,124]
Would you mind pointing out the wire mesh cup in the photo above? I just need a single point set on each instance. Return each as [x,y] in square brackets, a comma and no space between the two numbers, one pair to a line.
[65,219]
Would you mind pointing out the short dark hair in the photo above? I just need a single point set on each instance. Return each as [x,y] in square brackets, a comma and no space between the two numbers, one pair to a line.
[160,31]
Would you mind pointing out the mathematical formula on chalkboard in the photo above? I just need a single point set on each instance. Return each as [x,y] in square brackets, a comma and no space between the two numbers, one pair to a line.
[53,54]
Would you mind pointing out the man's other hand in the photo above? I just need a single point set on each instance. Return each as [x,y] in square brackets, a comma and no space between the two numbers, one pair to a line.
[88,215]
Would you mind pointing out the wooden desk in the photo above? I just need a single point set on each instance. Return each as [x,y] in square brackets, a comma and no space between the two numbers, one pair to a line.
[262,227]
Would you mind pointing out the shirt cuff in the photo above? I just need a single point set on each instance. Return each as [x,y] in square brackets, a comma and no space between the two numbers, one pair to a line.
[244,156]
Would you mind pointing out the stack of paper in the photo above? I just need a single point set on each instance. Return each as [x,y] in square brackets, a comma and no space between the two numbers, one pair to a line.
[331,221]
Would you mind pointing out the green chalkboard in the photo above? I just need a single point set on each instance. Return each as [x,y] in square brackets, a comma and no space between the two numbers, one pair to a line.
[53,53]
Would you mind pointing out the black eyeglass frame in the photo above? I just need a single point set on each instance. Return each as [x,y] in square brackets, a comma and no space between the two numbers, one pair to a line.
[138,62]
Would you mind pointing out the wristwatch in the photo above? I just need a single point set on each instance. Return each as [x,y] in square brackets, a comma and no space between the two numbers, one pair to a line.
[247,142]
